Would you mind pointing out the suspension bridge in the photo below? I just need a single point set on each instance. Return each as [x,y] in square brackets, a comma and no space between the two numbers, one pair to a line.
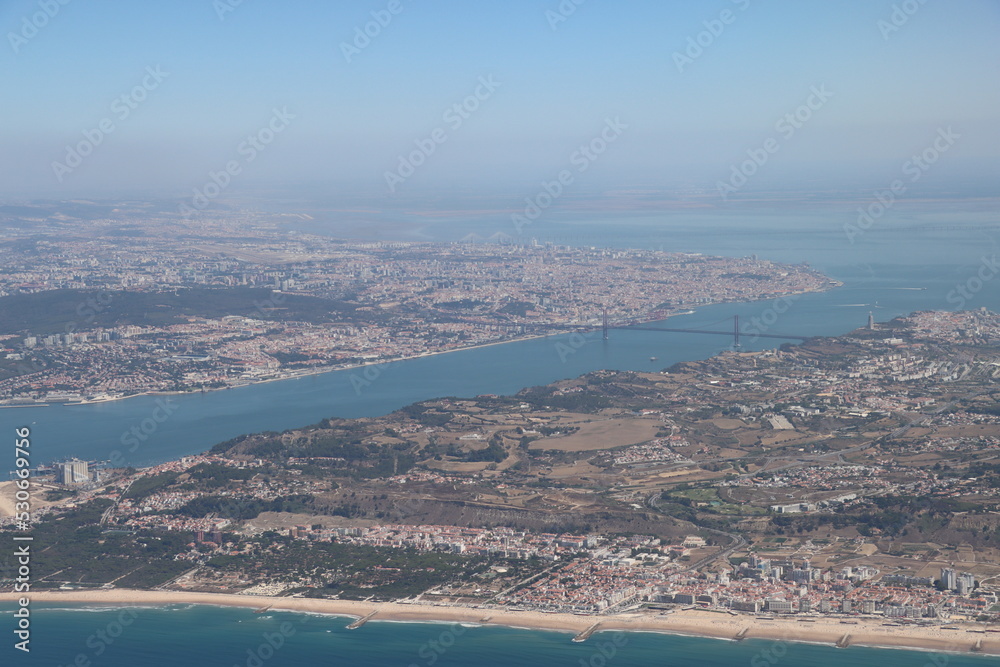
[735,332]
[607,326]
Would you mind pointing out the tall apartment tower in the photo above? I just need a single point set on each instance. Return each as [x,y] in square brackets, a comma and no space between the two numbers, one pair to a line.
[74,472]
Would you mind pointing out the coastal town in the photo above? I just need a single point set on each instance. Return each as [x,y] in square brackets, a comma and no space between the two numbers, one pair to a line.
[588,573]
[848,480]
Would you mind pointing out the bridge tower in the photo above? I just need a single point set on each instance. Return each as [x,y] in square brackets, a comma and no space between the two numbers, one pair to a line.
[604,324]
[736,331]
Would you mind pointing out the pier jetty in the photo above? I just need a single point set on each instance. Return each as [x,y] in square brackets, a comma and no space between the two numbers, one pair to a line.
[585,635]
[361,621]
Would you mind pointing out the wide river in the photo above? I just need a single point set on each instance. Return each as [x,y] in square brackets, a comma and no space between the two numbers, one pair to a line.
[888,272]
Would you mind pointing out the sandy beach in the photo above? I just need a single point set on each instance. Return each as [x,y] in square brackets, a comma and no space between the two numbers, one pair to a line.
[690,622]
[7,490]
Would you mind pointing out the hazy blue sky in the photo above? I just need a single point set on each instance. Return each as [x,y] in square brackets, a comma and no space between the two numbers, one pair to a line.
[559,81]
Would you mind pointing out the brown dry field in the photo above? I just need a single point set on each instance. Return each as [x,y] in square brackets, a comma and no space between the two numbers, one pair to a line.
[577,469]
[747,438]
[602,435]
[7,499]
[725,453]
[968,431]
[728,424]
[456,466]
[922,459]
[672,477]
[471,445]
[784,438]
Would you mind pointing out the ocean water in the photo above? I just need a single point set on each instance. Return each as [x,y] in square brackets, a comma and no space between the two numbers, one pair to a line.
[215,636]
